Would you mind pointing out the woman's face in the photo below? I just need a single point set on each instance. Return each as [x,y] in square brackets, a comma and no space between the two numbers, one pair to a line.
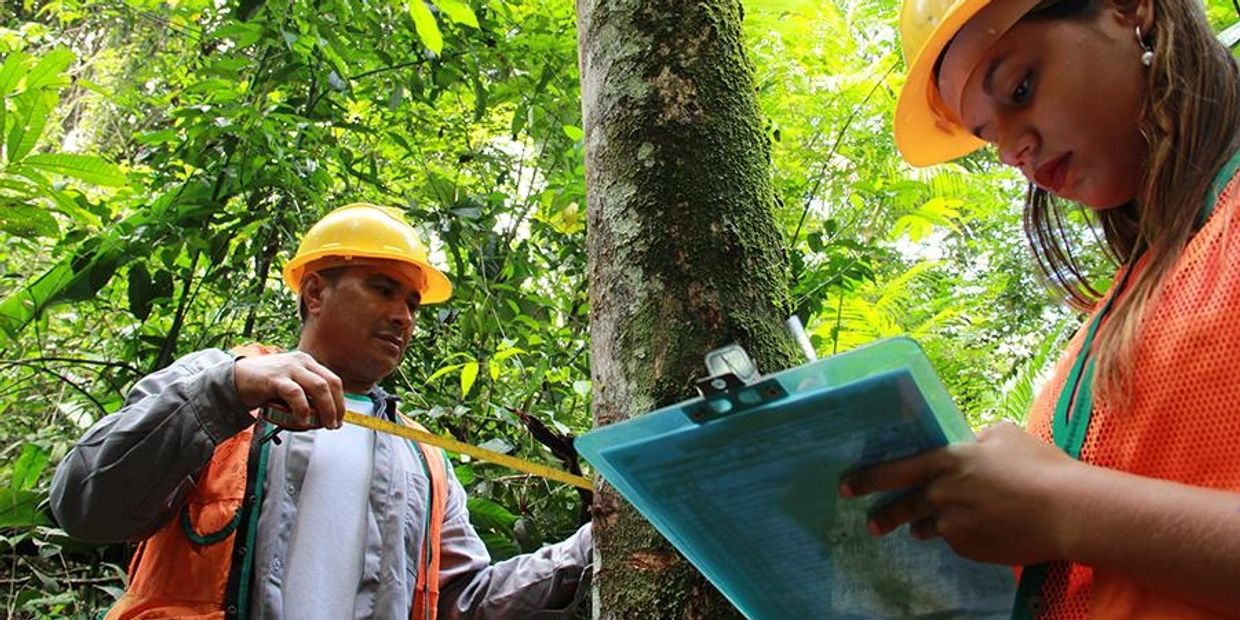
[1060,99]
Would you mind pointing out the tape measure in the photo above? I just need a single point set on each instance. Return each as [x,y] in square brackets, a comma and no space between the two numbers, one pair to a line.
[460,447]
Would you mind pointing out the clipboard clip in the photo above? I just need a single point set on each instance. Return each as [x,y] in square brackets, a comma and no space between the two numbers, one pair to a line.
[734,385]
[730,367]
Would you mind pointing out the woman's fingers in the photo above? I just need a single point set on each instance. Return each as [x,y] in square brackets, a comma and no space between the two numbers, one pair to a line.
[907,473]
[912,507]
[925,529]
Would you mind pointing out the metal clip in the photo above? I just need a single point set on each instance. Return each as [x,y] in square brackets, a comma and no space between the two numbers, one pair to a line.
[734,385]
[730,367]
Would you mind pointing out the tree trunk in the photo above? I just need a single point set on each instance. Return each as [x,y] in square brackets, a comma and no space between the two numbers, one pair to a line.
[684,254]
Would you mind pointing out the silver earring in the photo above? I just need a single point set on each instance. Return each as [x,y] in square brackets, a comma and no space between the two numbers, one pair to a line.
[1147,54]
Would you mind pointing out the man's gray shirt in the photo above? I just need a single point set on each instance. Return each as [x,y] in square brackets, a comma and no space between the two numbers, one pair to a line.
[133,470]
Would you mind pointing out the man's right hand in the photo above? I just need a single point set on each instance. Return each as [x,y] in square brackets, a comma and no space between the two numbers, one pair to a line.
[314,394]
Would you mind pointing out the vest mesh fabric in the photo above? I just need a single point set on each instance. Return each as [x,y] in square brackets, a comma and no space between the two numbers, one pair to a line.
[1180,422]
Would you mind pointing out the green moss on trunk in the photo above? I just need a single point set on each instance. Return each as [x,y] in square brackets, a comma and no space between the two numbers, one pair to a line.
[684,253]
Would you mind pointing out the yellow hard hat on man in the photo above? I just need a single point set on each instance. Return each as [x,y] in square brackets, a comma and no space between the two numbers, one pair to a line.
[366,234]
[926,130]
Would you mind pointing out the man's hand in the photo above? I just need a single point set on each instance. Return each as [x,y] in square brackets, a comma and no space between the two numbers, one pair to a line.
[294,380]
[992,501]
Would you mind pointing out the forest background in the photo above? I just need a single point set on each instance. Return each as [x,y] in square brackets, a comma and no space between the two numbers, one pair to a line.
[159,161]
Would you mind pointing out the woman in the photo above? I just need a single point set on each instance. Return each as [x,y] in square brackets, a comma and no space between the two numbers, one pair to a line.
[1123,499]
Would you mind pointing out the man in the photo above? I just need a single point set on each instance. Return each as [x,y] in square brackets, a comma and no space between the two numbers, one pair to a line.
[333,522]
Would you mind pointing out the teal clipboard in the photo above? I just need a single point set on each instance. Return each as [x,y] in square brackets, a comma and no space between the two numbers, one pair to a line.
[744,483]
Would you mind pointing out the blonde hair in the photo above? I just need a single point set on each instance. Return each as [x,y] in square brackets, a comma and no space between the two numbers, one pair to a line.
[1189,120]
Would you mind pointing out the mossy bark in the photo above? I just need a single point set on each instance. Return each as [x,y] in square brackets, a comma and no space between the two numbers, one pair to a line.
[684,253]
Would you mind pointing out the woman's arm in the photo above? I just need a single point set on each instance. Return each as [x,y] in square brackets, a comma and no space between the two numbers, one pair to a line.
[1012,499]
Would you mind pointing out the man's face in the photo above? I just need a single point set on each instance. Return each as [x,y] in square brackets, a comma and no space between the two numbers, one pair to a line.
[359,324]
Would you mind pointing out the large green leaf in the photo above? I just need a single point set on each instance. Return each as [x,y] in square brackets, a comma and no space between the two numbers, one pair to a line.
[486,514]
[76,206]
[424,23]
[27,125]
[500,546]
[27,221]
[29,467]
[938,211]
[41,183]
[87,168]
[12,72]
[47,71]
[458,12]
[22,306]
[92,273]
[469,374]
[21,509]
[243,35]
[141,292]
[464,474]
[74,277]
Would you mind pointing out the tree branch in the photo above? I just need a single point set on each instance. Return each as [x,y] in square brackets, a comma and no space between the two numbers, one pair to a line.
[809,196]
[63,378]
[561,445]
[75,360]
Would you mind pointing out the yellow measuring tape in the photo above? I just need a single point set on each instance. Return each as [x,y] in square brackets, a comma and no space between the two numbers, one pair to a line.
[460,447]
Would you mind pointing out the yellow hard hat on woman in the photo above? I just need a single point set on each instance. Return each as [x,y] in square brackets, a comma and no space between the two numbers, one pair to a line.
[926,131]
[359,234]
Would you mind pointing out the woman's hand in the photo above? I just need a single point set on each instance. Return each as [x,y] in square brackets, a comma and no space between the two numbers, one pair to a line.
[992,501]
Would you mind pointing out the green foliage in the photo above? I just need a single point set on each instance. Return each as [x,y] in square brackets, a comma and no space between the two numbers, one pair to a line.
[158,162]
[30,189]
[19,502]
[232,131]
[495,524]
[424,23]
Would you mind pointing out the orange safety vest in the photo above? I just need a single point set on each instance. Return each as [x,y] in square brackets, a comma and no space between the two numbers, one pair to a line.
[1179,422]
[199,566]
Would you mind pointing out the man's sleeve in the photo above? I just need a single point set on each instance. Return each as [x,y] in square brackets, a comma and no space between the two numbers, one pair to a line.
[544,585]
[133,469]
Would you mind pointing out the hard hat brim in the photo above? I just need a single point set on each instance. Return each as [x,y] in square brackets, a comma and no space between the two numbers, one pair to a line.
[923,136]
[435,287]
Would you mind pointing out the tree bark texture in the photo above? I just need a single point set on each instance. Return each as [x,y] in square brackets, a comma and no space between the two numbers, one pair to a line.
[684,253]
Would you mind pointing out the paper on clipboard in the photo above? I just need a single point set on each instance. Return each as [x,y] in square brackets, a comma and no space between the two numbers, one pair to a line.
[744,485]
